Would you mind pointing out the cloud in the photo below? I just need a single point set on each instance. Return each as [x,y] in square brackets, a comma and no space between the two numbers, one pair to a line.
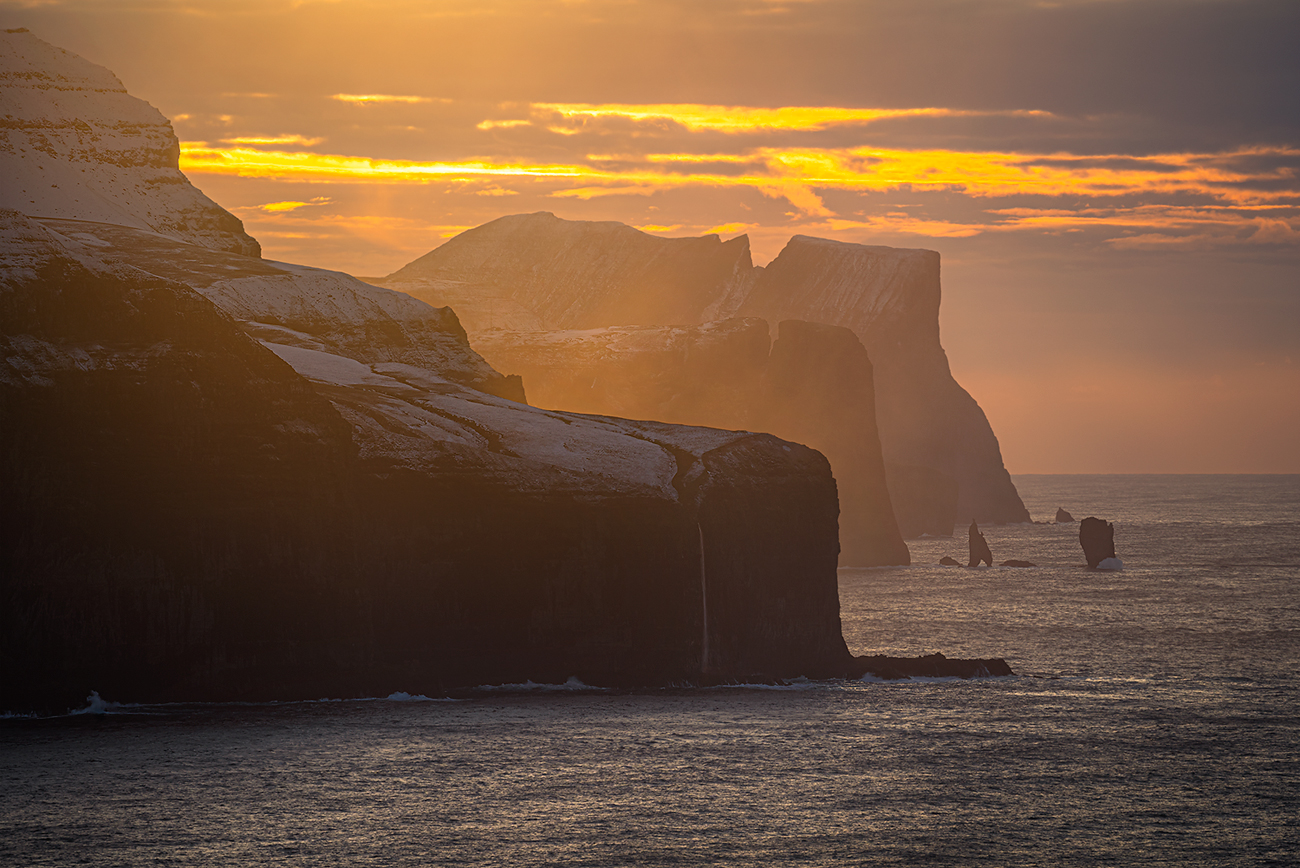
[274,140]
[748,119]
[378,98]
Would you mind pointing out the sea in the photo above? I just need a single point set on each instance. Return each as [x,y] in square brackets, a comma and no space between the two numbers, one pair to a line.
[1154,719]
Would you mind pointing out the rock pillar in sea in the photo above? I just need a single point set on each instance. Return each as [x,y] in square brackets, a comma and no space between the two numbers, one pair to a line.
[979,547]
[1097,536]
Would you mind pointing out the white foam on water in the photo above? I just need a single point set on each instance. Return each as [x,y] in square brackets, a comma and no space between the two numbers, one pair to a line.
[1112,564]
[402,696]
[574,683]
[95,704]
[800,683]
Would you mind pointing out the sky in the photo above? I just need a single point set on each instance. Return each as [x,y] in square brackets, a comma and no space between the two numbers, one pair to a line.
[1113,185]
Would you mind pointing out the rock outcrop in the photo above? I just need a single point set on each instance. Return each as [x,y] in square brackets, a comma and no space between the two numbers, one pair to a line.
[813,385]
[535,272]
[74,144]
[1063,517]
[1097,537]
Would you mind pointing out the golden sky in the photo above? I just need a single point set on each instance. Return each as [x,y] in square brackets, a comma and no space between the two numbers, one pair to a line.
[1114,185]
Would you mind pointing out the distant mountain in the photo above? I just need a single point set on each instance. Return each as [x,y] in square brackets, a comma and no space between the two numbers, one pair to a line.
[530,272]
[941,456]
[74,144]
[228,478]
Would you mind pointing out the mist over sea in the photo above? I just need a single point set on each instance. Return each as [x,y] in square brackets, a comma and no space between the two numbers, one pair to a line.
[1154,720]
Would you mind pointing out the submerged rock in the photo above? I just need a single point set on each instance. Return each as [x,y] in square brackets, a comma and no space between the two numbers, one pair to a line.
[1063,517]
[929,666]
[1015,563]
[1097,537]
[949,562]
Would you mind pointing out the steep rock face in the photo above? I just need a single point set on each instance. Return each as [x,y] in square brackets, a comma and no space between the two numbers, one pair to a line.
[890,299]
[192,518]
[75,144]
[812,385]
[535,271]
[820,391]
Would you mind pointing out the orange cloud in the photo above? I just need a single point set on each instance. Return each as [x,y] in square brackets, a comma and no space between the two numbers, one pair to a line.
[1227,184]
[274,140]
[746,119]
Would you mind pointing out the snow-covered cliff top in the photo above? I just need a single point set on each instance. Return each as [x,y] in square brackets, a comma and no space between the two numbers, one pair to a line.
[74,144]
[858,286]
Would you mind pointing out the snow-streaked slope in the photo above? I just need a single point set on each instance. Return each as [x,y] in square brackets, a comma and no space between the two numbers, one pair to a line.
[413,419]
[75,144]
[367,322]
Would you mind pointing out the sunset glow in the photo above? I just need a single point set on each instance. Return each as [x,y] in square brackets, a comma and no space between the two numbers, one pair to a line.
[1109,184]
[746,119]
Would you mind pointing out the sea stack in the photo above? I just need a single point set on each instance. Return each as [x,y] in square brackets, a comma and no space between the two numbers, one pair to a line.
[1097,536]
[1063,517]
[979,547]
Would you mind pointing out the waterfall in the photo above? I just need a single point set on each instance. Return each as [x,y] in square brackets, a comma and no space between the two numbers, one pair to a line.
[704,602]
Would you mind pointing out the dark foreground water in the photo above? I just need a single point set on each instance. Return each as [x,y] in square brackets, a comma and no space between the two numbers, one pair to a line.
[1155,721]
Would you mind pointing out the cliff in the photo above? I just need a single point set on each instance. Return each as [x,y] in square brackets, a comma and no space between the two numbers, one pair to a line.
[194,514]
[530,273]
[813,385]
[929,425]
[75,144]
[227,478]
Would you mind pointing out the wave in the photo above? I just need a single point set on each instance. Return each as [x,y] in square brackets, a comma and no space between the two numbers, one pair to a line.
[573,684]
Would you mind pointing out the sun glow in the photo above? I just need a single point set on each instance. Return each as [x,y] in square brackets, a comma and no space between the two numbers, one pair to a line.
[374,98]
[1220,177]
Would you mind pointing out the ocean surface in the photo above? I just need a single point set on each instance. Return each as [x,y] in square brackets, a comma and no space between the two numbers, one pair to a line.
[1154,720]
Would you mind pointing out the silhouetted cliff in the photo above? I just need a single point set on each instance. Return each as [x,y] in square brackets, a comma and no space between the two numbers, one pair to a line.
[189,517]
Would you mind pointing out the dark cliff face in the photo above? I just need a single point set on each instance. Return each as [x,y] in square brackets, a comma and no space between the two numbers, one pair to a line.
[188,517]
[536,271]
[813,385]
